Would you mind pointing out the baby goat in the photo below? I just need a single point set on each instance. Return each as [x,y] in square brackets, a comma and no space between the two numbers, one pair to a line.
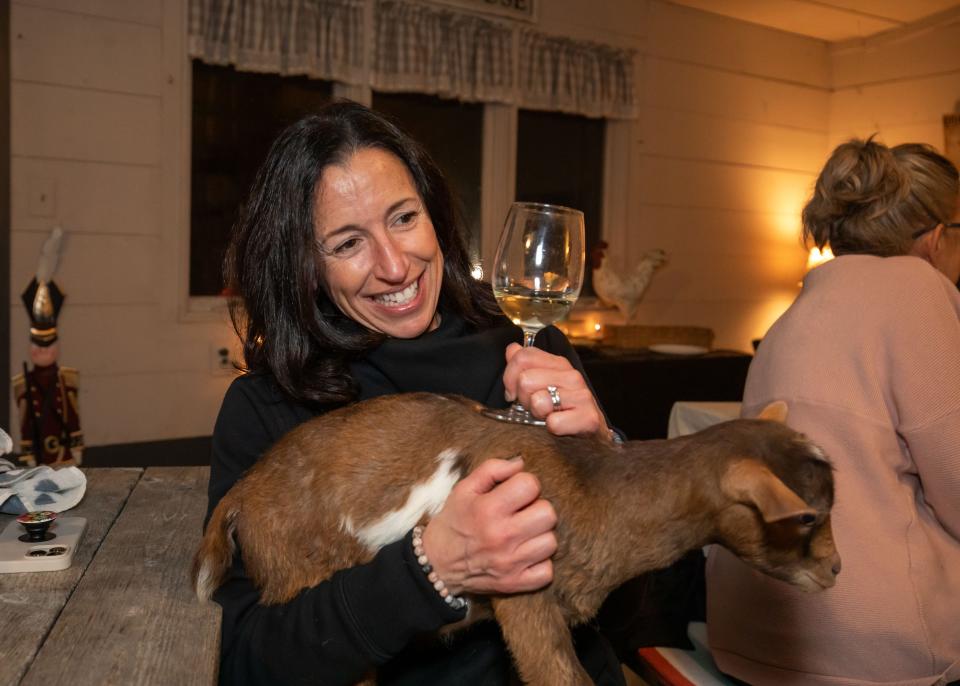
[753,485]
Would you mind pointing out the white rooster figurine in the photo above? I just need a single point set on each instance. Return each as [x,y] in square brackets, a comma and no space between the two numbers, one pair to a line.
[623,291]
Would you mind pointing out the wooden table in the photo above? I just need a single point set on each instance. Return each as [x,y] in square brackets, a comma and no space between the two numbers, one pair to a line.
[124,612]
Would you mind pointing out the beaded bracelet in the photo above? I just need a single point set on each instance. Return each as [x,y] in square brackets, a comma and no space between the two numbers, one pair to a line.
[456,602]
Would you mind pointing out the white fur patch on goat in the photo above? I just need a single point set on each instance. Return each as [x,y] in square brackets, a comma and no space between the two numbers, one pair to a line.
[425,498]
[205,587]
[206,583]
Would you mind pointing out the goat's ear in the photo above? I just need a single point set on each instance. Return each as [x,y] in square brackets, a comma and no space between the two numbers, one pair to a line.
[751,483]
[775,412]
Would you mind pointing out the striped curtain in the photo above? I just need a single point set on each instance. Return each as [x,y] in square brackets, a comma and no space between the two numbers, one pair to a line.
[416,47]
[323,39]
[575,76]
[453,54]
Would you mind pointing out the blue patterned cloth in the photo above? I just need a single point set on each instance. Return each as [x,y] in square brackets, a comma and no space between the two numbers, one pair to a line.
[39,488]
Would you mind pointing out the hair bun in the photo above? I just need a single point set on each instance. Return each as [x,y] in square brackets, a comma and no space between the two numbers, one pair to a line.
[860,181]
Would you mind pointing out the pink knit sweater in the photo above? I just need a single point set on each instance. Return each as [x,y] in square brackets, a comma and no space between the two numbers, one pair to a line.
[868,361]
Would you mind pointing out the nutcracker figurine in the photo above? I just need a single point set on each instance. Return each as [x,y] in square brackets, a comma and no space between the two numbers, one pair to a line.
[46,395]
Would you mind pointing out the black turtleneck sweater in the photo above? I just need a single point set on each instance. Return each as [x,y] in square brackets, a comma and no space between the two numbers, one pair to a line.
[379,615]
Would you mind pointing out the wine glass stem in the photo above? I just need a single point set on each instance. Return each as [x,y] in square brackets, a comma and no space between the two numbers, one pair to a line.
[528,337]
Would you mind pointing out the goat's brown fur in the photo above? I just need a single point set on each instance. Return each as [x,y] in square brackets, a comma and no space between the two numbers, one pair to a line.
[752,485]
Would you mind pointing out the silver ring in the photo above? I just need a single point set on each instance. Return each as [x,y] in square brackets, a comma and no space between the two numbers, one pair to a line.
[555,397]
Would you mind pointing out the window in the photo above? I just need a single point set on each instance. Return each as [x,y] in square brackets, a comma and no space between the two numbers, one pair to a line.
[560,161]
[236,116]
[452,133]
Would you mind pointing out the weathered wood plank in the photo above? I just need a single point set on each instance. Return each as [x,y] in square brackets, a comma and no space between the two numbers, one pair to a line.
[133,618]
[30,603]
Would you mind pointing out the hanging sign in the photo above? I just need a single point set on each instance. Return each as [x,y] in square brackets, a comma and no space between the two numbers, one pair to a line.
[525,10]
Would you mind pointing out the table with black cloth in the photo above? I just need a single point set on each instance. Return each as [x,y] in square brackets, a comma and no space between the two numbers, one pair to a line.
[637,388]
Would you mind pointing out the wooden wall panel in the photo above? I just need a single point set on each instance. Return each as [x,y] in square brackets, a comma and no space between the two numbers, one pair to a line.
[136,11]
[85,196]
[694,88]
[95,269]
[77,124]
[898,85]
[621,23]
[149,406]
[724,44]
[748,232]
[92,52]
[904,54]
[911,101]
[683,183]
[718,254]
[710,276]
[692,136]
[128,339]
[927,132]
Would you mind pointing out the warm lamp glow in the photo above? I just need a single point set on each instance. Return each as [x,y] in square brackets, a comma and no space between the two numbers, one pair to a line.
[588,328]
[783,200]
[817,258]
[761,317]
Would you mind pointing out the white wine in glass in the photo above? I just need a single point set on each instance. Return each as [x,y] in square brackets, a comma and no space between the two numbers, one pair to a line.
[537,275]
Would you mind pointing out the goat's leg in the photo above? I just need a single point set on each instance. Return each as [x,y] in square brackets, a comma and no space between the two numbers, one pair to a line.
[539,639]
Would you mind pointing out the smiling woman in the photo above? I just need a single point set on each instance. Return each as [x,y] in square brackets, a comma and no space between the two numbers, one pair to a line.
[381,262]
[353,281]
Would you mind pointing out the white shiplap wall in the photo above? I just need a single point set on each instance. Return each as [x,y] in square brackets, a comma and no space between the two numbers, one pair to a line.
[898,85]
[735,121]
[733,128]
[96,149]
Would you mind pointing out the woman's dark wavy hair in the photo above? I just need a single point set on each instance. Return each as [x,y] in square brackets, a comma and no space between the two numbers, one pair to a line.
[289,327]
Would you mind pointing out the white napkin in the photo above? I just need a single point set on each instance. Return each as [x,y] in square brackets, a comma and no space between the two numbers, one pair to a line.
[39,488]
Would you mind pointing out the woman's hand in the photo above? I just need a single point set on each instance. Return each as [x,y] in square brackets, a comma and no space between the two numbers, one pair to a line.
[495,533]
[528,373]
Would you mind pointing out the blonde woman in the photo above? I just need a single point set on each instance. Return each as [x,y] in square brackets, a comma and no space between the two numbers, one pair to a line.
[868,360]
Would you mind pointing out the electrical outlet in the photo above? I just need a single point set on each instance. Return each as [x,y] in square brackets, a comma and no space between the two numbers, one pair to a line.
[221,360]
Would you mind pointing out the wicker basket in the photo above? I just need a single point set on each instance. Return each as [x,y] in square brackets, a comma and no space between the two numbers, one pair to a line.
[637,336]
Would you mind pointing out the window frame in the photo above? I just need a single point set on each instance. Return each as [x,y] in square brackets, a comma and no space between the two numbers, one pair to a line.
[498,182]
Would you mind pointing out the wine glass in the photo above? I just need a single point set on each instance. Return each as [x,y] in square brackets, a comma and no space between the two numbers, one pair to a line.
[537,275]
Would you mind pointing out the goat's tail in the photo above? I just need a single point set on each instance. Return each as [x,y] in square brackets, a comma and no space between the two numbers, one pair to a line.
[217,549]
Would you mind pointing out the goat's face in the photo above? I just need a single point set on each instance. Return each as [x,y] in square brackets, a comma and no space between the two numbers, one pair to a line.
[779,517]
[798,551]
